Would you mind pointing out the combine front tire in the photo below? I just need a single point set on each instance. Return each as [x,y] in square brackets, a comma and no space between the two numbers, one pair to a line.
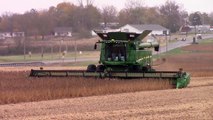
[146,68]
[100,68]
[91,68]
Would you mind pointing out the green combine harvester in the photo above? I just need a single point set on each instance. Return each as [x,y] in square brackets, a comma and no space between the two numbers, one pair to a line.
[123,55]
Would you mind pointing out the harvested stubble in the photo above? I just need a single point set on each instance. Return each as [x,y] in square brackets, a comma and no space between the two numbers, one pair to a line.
[18,87]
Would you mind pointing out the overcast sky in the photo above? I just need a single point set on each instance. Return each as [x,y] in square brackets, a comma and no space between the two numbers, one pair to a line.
[21,6]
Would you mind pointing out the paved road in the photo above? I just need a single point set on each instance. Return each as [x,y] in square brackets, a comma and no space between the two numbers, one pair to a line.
[163,49]
[71,60]
[181,43]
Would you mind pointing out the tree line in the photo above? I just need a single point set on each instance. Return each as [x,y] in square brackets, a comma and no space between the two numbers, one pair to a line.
[85,17]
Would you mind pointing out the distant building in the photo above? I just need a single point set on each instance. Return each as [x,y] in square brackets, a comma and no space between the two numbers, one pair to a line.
[211,28]
[18,34]
[63,32]
[4,35]
[203,28]
[139,28]
[185,29]
[200,29]
[109,24]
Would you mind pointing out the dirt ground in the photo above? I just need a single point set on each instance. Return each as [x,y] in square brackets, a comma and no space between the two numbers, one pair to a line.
[192,103]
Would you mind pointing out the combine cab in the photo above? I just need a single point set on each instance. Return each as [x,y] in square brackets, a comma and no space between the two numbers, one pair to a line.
[123,55]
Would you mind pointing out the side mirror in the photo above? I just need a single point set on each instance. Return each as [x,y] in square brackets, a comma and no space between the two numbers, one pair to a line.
[157,48]
[95,46]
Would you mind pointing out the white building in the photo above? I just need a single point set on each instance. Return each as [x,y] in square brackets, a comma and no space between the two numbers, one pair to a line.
[211,28]
[139,28]
[18,34]
[203,28]
[4,35]
[63,32]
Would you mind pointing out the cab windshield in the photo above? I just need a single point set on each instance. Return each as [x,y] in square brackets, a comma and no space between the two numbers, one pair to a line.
[115,52]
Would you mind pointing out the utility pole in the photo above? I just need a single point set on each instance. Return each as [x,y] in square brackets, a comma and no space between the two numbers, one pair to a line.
[195,19]
[195,34]
[166,43]
[165,33]
[52,52]
[60,48]
[42,52]
[75,51]
[24,40]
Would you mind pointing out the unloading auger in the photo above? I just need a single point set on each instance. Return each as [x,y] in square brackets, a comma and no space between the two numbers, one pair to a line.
[123,55]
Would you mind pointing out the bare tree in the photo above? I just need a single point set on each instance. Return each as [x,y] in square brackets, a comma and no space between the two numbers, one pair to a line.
[211,17]
[109,14]
[195,18]
[171,12]
[131,4]
[80,2]
[90,2]
[87,2]
[134,13]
